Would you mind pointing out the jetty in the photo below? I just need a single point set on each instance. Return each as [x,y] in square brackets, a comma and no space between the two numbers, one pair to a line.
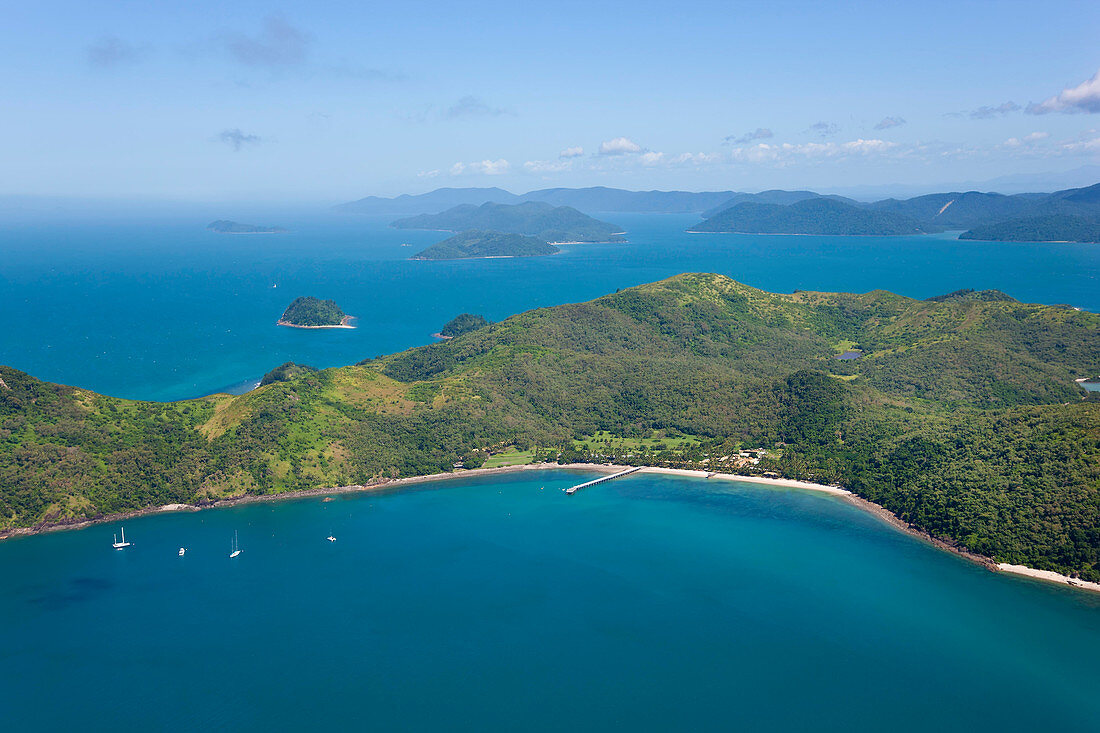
[601,479]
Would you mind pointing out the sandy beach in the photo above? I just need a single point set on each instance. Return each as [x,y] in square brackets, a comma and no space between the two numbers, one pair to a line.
[388,484]
[345,322]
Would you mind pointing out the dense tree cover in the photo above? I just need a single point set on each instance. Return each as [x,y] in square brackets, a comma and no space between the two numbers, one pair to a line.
[463,323]
[810,216]
[1050,228]
[962,417]
[532,218]
[971,294]
[285,372]
[478,243]
[1072,215]
[309,311]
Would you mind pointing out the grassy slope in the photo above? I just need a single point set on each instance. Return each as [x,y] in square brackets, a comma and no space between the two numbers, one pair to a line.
[962,417]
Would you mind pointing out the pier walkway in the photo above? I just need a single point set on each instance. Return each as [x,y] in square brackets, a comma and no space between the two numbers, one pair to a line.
[601,479]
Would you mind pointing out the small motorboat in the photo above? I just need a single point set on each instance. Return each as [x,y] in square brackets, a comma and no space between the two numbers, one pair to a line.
[330,538]
[183,551]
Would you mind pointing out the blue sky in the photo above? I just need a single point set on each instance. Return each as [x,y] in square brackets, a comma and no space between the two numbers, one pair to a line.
[332,101]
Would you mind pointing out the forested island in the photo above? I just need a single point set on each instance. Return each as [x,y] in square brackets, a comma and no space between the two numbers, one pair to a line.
[962,416]
[309,312]
[534,219]
[1052,228]
[1072,215]
[224,226]
[476,243]
[462,323]
[810,216]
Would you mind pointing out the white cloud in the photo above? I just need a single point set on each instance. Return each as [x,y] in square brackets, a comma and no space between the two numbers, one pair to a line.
[472,107]
[888,122]
[1029,139]
[573,152]
[824,129]
[547,166]
[278,44]
[760,133]
[650,158]
[987,112]
[428,174]
[619,146]
[783,153]
[484,167]
[237,139]
[1088,143]
[864,147]
[1085,97]
[695,158]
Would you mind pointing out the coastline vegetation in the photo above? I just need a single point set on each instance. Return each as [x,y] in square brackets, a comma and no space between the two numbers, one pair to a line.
[962,416]
[463,323]
[312,312]
[533,218]
[811,216]
[225,226]
[477,243]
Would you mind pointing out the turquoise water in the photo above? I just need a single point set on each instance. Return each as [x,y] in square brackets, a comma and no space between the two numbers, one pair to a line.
[651,602]
[648,603]
[156,307]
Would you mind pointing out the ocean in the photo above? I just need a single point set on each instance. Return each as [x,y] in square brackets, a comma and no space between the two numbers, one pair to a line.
[499,603]
[156,307]
[495,603]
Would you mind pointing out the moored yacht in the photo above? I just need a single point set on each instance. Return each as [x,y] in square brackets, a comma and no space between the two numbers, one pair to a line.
[119,545]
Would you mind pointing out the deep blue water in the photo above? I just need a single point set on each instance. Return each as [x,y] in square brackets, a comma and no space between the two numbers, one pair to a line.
[647,603]
[495,604]
[156,307]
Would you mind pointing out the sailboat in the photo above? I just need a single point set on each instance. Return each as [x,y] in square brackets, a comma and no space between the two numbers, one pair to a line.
[236,547]
[119,545]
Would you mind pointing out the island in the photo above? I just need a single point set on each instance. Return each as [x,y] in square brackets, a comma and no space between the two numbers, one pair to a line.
[462,323]
[224,226]
[1051,228]
[309,312]
[962,419]
[553,224]
[477,243]
[811,216]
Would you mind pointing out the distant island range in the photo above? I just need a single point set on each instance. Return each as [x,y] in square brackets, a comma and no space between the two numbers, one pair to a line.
[225,226]
[1071,215]
[529,229]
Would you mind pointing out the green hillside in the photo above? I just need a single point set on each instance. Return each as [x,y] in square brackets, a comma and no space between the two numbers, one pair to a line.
[962,416]
[476,243]
[314,312]
[463,323]
[1052,228]
[810,216]
[533,218]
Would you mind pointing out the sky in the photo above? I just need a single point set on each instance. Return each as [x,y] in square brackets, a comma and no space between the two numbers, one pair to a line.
[333,101]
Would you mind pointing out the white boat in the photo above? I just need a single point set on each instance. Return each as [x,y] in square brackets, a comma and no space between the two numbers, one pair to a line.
[119,545]
[236,548]
[330,538]
[182,551]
